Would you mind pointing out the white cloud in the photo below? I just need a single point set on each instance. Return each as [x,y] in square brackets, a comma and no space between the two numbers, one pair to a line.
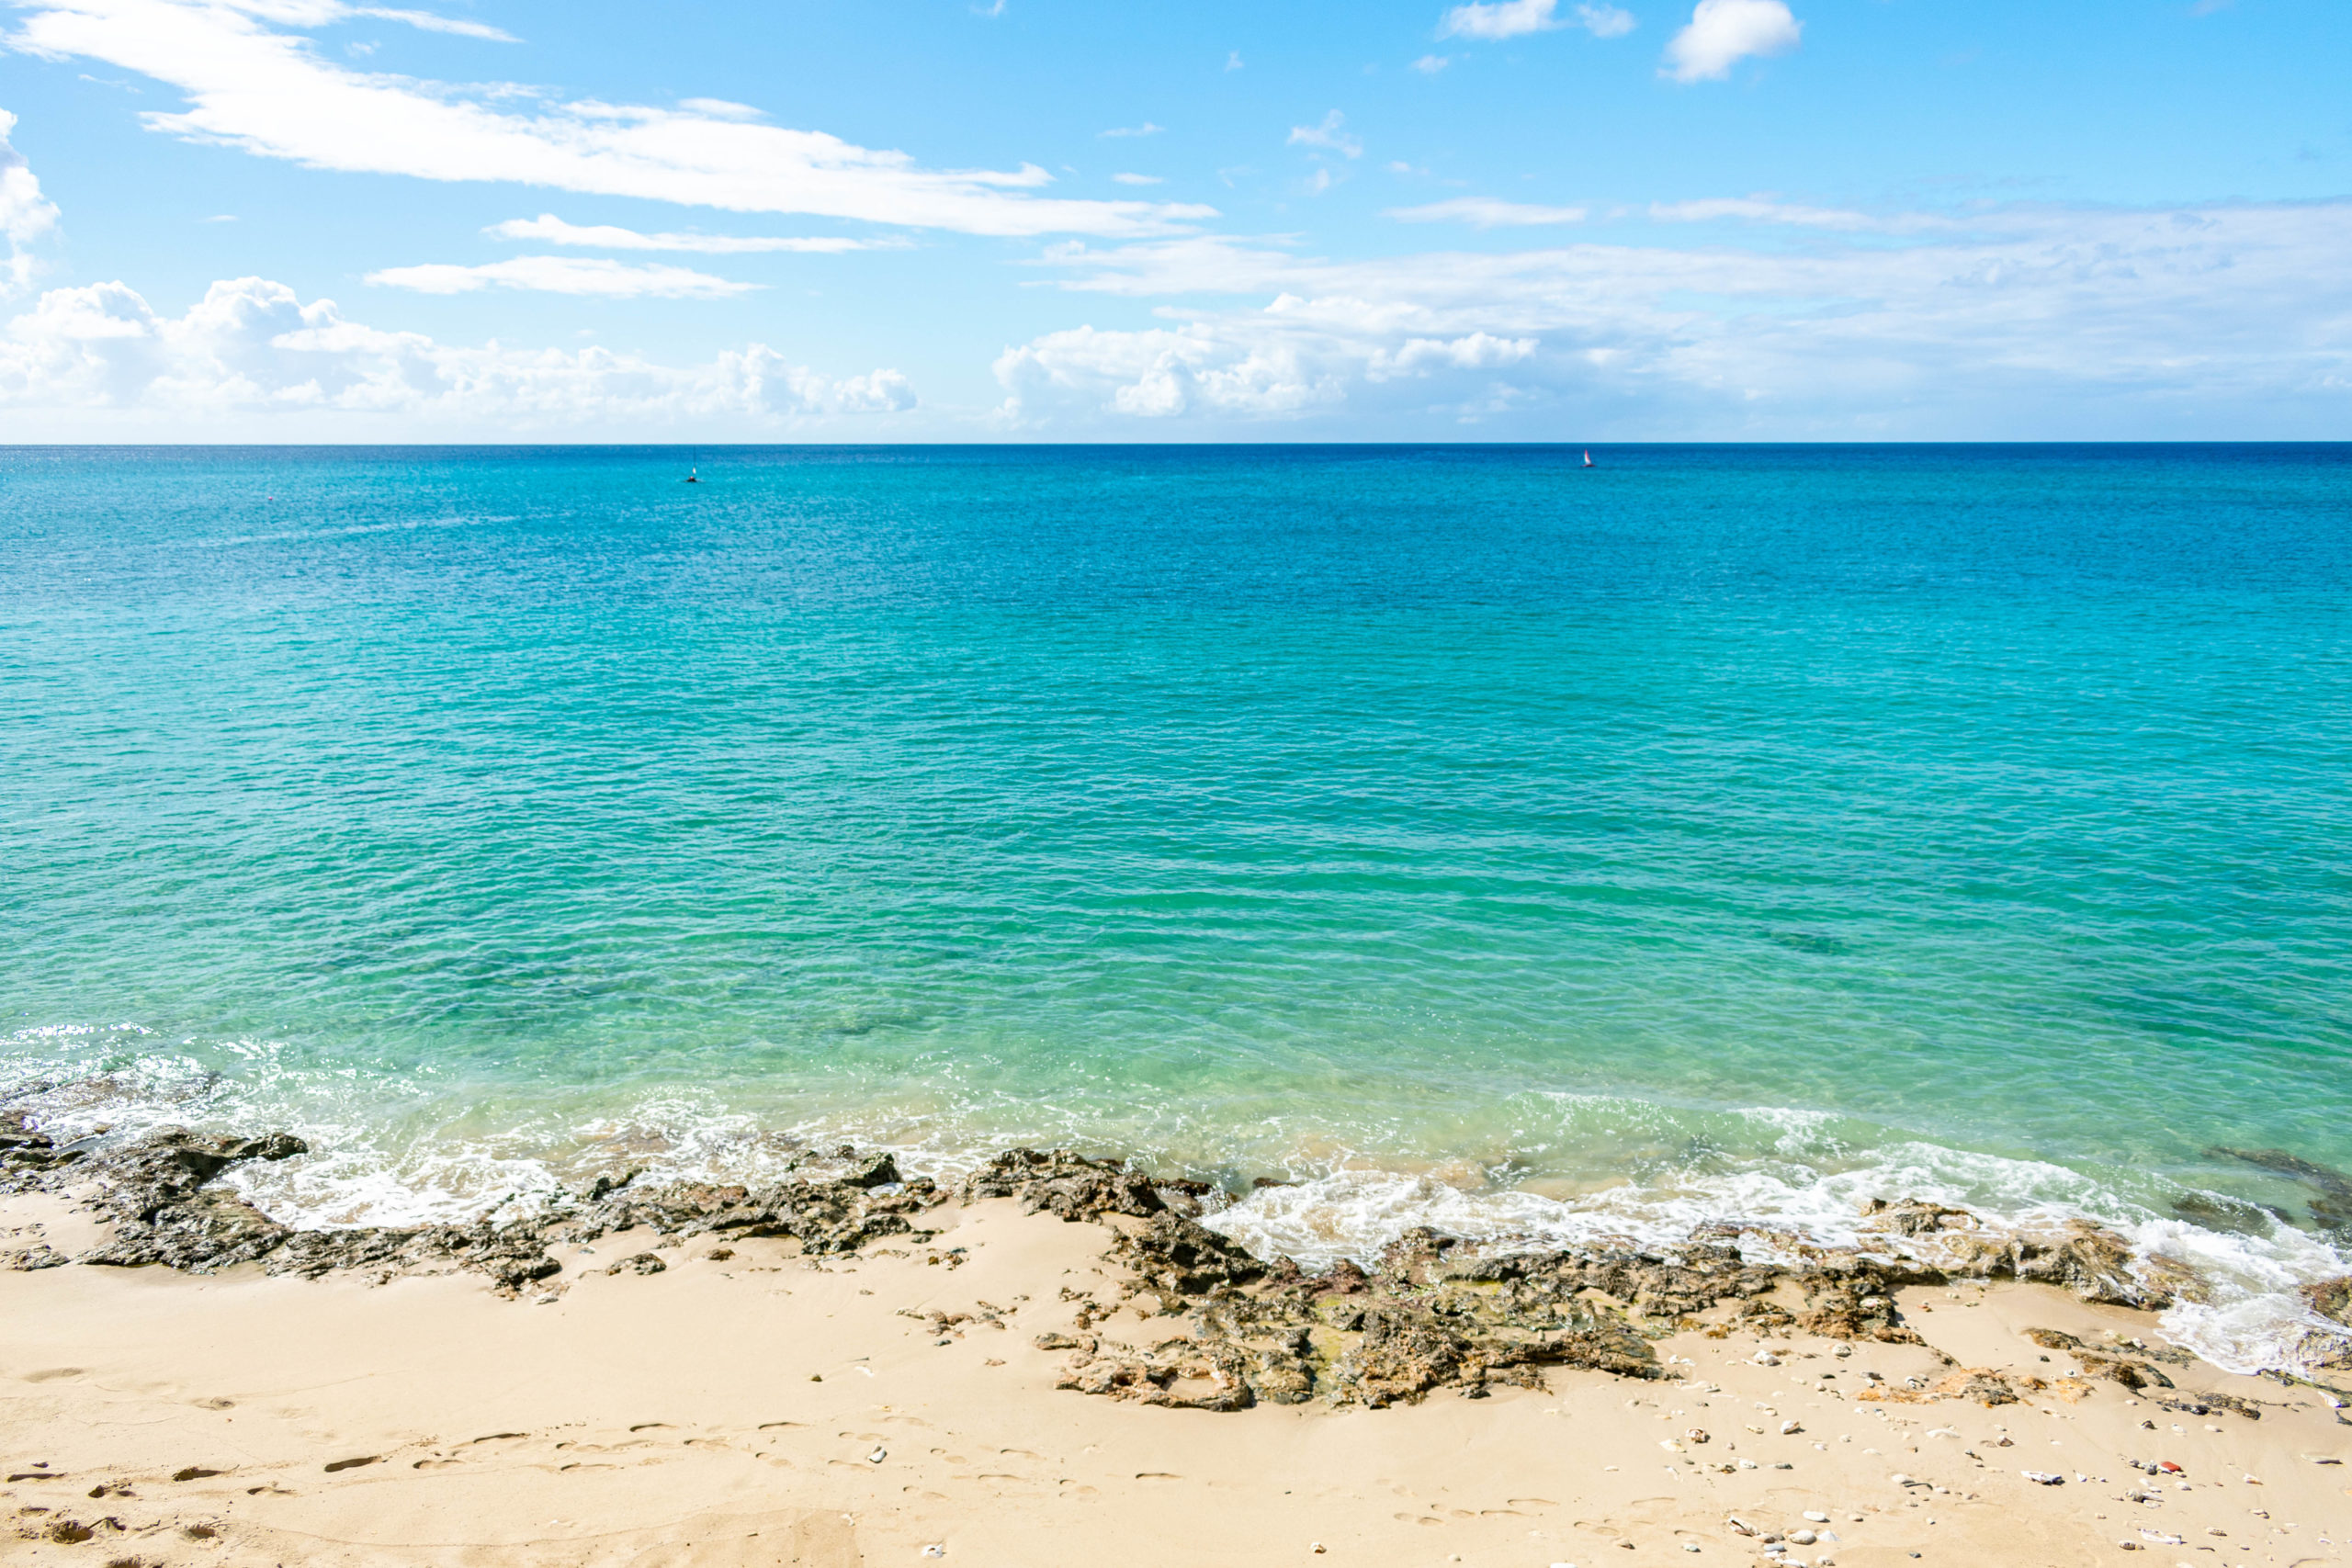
[253,87]
[26,217]
[1233,60]
[1146,128]
[1328,134]
[548,229]
[1292,363]
[1486,212]
[1723,32]
[426,20]
[1500,19]
[1605,21]
[2026,322]
[1138,180]
[722,108]
[1431,65]
[1766,209]
[250,354]
[564,275]
[1515,19]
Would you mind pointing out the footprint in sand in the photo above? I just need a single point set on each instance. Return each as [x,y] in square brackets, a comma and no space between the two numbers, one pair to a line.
[1140,1474]
[53,1373]
[772,1426]
[1024,1454]
[1531,1502]
[650,1426]
[334,1465]
[497,1438]
[195,1473]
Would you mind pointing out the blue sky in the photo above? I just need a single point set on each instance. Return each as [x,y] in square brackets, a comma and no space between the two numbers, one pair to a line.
[918,220]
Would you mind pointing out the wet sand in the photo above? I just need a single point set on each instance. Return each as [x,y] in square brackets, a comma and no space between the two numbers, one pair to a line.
[769,1407]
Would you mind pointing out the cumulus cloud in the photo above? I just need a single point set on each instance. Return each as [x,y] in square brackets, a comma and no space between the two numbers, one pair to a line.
[2014,321]
[26,217]
[1298,356]
[1516,19]
[251,350]
[1329,134]
[1486,212]
[547,229]
[1723,32]
[564,275]
[252,85]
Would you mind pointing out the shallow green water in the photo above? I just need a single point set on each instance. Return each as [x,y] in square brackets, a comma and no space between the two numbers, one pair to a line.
[1726,830]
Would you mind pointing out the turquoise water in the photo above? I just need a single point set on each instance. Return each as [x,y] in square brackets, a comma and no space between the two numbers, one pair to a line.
[1730,829]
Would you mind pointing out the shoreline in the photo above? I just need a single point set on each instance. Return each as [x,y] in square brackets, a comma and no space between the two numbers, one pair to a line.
[167,1196]
[852,1369]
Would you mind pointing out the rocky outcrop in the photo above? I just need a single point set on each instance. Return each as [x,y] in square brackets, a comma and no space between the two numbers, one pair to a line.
[2331,1299]
[2095,1264]
[161,1192]
[1075,1188]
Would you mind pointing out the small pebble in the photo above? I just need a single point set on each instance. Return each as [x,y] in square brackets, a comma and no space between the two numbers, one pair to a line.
[878,1456]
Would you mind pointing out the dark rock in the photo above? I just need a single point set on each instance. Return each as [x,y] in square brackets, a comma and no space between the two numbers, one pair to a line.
[2331,1299]
[643,1263]
[2132,1374]
[2095,1264]
[1179,1256]
[882,1170]
[1400,1357]
[1071,1186]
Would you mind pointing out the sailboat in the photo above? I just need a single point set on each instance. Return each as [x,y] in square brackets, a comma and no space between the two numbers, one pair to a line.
[692,478]
[1587,458]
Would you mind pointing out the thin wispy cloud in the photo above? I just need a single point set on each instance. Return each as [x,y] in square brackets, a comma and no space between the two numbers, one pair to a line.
[1329,134]
[1431,65]
[547,229]
[564,275]
[1146,128]
[1126,179]
[1765,209]
[2035,318]
[426,21]
[1721,33]
[1497,20]
[262,89]
[1486,212]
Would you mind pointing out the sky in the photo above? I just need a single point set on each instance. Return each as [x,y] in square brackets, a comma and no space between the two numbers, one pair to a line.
[1579,220]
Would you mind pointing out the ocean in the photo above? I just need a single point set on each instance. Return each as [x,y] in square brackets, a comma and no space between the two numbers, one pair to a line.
[1454,833]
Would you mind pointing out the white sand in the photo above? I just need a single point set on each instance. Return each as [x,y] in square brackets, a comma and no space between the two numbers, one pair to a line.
[677,1419]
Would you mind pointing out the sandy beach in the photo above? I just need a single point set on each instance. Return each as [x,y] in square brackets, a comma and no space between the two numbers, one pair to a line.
[690,1399]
